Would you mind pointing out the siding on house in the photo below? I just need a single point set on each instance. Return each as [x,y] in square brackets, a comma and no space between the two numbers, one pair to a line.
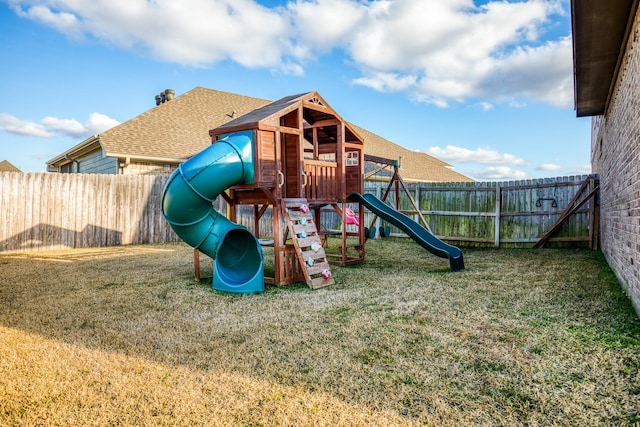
[95,162]
[615,156]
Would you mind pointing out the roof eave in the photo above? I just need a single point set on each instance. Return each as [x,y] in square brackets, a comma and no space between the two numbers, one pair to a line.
[600,32]
[85,146]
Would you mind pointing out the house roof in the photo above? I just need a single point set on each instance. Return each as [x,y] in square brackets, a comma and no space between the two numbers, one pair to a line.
[6,166]
[177,129]
[600,31]
[414,166]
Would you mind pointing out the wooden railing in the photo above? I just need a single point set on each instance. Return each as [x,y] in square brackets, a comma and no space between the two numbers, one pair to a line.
[320,180]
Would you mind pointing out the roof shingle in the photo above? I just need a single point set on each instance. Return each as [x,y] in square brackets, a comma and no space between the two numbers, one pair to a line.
[6,166]
[178,129]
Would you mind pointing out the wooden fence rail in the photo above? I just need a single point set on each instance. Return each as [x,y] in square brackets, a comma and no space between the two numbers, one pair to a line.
[41,211]
[501,214]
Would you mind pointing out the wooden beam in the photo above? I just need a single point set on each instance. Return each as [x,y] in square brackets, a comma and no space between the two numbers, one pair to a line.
[565,216]
[322,123]
[226,197]
[263,209]
[413,202]
[376,159]
[269,195]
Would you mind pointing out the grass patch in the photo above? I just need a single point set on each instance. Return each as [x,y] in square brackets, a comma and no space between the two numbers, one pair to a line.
[125,336]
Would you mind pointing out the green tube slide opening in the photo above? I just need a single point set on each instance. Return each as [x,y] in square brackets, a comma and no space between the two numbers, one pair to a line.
[239,263]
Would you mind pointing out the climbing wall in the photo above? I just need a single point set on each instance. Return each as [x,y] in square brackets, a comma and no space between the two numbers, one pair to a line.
[309,250]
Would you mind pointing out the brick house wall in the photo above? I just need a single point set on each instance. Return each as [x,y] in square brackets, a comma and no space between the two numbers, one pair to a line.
[140,168]
[615,156]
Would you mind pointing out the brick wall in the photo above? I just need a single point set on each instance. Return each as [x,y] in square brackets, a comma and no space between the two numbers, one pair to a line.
[140,168]
[615,155]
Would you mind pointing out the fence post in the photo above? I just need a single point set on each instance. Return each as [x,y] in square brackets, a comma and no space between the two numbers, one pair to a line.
[498,207]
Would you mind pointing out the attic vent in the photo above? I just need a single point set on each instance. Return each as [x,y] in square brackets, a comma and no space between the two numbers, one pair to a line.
[165,96]
[315,100]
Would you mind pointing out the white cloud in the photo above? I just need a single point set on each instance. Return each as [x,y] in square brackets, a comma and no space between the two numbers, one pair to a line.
[62,21]
[189,32]
[325,24]
[98,123]
[387,82]
[12,124]
[539,73]
[584,169]
[549,167]
[488,156]
[454,51]
[498,173]
[437,51]
[55,126]
[69,127]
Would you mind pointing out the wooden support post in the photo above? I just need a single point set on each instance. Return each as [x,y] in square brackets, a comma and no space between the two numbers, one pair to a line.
[256,221]
[196,264]
[594,216]
[344,234]
[196,267]
[395,177]
[498,214]
[277,244]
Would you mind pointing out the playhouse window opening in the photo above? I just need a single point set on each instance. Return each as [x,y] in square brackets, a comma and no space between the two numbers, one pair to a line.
[352,159]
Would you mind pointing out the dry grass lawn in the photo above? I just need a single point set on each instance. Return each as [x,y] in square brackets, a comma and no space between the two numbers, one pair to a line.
[125,336]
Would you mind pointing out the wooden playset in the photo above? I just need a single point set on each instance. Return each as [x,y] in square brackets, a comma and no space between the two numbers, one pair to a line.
[306,157]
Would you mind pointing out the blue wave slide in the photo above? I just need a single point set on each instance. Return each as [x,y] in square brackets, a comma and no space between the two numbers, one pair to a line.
[187,205]
[421,235]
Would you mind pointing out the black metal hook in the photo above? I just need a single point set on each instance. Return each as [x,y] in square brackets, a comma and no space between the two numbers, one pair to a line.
[554,204]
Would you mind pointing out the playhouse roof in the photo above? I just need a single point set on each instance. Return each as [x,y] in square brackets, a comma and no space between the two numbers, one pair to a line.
[253,117]
[270,114]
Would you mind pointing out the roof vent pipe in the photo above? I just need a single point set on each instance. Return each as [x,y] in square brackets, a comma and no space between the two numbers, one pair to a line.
[164,96]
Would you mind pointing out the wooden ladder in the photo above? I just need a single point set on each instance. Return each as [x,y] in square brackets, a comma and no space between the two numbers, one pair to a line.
[306,240]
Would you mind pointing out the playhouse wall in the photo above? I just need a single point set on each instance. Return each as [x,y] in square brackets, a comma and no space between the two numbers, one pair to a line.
[615,156]
[266,169]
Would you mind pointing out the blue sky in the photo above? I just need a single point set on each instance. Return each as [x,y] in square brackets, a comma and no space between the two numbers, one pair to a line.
[485,86]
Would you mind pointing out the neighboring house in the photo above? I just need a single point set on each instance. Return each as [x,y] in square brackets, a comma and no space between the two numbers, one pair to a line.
[6,166]
[156,141]
[606,45]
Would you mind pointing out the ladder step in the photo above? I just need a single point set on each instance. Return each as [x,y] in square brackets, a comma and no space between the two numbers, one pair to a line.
[308,228]
[308,248]
[321,282]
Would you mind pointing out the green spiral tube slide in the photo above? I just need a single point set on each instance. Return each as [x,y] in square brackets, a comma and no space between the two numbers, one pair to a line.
[187,205]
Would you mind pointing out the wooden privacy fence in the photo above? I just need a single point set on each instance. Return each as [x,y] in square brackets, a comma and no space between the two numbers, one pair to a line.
[504,214]
[41,211]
